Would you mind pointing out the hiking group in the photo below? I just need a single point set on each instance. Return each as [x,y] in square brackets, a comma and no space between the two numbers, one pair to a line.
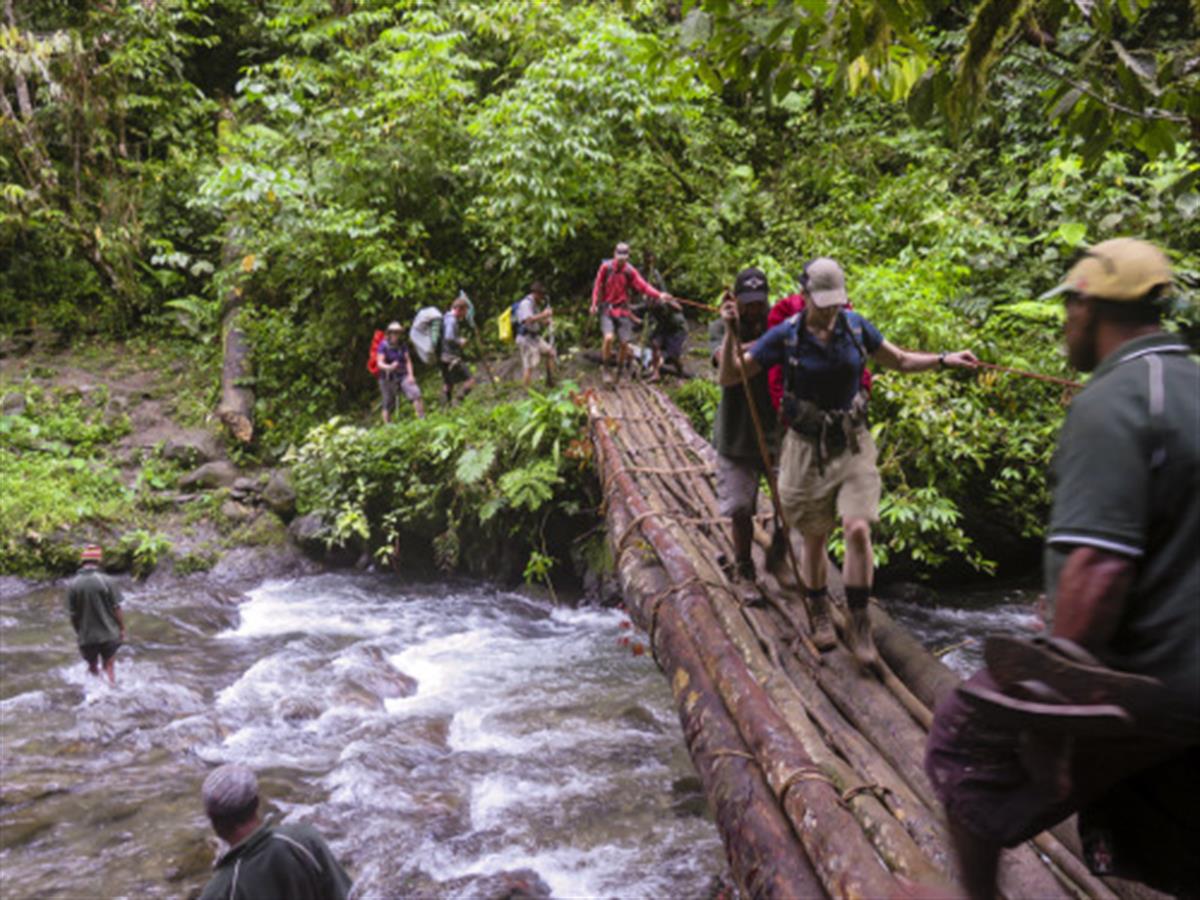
[1101,718]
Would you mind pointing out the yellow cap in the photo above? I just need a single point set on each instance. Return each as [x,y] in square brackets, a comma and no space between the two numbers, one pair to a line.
[1123,269]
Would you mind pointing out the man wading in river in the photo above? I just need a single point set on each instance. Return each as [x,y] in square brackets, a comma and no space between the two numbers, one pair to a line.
[263,862]
[94,604]
[827,462]
[1123,585]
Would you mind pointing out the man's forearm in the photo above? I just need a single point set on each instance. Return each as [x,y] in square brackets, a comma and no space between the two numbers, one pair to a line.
[728,370]
[1092,591]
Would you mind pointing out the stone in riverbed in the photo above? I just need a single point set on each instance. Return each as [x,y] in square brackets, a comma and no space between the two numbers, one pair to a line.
[191,448]
[279,495]
[237,512]
[210,475]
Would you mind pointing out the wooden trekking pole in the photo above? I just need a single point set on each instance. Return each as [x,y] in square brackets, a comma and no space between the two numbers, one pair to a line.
[765,454]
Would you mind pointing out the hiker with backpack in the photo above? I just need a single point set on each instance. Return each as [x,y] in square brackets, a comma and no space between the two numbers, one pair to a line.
[528,321]
[827,460]
[616,280]
[394,370]
[454,368]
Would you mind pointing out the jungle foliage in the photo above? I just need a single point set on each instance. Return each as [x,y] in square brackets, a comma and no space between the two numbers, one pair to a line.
[335,164]
[478,481]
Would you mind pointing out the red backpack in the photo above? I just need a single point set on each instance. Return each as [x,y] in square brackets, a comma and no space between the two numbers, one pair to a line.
[373,359]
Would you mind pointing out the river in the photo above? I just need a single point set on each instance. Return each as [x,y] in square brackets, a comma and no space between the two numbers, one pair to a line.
[438,735]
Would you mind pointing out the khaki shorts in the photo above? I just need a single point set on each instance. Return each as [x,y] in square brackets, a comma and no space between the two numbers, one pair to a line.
[737,485]
[621,326]
[814,502]
[532,347]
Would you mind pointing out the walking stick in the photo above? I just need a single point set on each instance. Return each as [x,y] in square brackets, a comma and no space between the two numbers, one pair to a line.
[780,521]
[1065,382]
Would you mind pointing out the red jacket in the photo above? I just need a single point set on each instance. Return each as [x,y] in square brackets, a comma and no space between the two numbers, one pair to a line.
[612,287]
[785,308]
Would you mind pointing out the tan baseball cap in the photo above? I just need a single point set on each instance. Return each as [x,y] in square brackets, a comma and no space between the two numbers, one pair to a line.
[825,283]
[1122,269]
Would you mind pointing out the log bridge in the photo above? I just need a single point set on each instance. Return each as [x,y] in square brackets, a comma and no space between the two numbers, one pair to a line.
[812,769]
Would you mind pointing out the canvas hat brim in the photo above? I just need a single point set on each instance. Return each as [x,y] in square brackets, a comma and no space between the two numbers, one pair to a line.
[831,297]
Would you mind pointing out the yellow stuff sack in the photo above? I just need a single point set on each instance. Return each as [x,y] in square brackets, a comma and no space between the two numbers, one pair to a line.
[504,325]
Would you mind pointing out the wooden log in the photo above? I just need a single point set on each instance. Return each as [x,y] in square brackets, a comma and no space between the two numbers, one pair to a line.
[764,854]
[236,409]
[835,844]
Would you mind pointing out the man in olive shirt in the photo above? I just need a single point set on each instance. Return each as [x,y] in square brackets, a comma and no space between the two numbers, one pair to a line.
[94,604]
[263,862]
[1123,581]
[739,459]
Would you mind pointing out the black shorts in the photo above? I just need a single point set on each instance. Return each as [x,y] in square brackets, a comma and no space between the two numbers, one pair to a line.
[105,650]
[454,370]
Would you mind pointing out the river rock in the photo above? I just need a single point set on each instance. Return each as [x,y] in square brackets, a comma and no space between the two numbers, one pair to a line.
[191,448]
[237,512]
[246,490]
[378,677]
[307,531]
[520,884]
[220,473]
[279,495]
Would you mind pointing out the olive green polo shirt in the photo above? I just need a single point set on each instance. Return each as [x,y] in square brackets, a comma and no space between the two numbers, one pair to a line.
[291,862]
[733,425]
[1126,480]
[92,601]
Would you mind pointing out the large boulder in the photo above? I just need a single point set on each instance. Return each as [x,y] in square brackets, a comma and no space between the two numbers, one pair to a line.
[279,495]
[191,448]
[308,533]
[218,474]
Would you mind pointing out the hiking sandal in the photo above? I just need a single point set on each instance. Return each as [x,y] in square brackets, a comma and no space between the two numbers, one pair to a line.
[1024,713]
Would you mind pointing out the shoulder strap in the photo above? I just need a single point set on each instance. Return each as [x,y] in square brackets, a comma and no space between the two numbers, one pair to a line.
[854,326]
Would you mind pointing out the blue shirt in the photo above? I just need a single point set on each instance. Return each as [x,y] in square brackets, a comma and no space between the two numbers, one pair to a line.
[828,375]
[397,354]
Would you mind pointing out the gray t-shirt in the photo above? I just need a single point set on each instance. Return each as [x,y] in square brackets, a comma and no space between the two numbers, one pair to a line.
[733,425]
[1127,481]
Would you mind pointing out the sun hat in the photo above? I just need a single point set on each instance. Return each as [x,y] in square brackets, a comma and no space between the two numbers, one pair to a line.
[826,283]
[1122,269]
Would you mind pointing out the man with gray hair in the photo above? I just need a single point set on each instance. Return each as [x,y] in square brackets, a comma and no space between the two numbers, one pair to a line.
[264,862]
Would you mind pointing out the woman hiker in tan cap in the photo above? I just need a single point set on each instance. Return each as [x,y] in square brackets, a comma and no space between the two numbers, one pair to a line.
[827,461]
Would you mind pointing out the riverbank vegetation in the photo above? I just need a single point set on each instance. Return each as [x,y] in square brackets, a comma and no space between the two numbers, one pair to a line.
[308,170]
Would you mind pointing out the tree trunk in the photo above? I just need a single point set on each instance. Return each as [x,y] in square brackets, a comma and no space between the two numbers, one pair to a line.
[236,409]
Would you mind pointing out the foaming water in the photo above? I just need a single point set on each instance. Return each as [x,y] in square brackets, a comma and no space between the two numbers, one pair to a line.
[955,624]
[438,736]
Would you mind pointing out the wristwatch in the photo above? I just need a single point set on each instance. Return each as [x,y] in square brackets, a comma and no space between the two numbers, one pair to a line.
[942,360]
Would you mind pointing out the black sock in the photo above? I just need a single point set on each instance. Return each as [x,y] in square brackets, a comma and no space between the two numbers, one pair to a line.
[857,597]
[818,593]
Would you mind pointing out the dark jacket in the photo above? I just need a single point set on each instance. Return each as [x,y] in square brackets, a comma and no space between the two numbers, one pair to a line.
[289,862]
[92,601]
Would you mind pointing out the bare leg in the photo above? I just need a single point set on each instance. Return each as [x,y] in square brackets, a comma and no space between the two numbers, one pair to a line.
[526,377]
[857,573]
[812,560]
[419,405]
[860,561]
[110,669]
